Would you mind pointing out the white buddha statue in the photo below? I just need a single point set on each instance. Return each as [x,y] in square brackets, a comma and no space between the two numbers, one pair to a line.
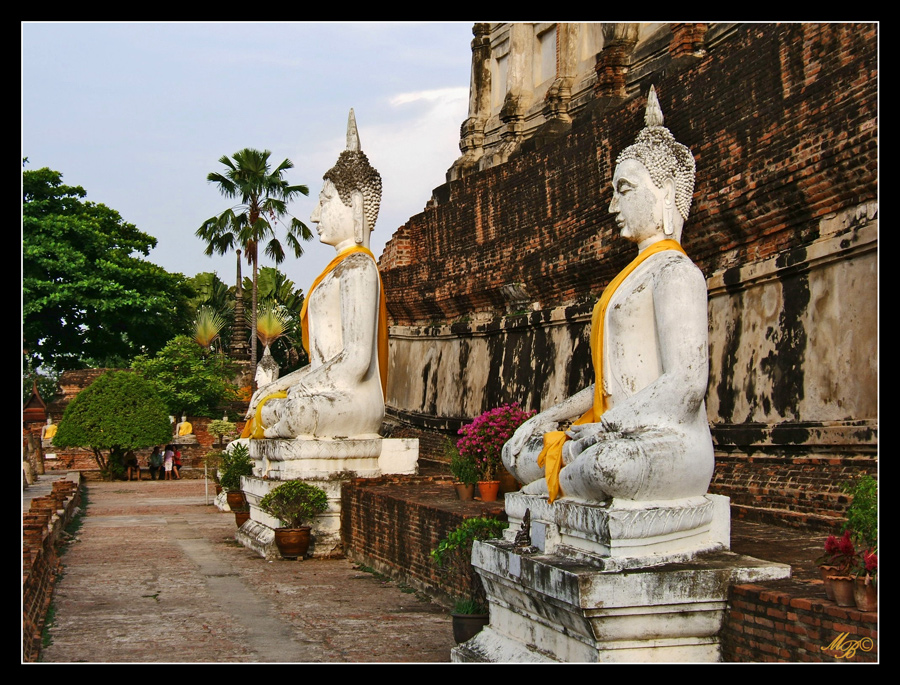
[340,393]
[184,428]
[48,432]
[641,431]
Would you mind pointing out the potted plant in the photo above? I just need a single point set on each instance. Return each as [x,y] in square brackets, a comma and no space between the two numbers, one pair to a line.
[241,516]
[453,556]
[483,441]
[295,504]
[212,462]
[862,522]
[464,471]
[865,589]
[836,564]
[236,462]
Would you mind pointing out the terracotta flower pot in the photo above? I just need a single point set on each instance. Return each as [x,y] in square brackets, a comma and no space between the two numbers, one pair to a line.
[843,590]
[865,595]
[508,482]
[292,542]
[467,626]
[828,571]
[241,516]
[235,499]
[488,489]
[465,492]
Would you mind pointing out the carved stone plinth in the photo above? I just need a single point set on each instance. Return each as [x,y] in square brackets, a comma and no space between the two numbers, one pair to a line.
[620,534]
[616,581]
[327,463]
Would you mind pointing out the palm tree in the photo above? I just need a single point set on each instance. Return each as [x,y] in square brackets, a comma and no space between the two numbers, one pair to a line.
[263,194]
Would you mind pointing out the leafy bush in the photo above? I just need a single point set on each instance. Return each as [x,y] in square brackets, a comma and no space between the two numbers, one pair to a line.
[119,411]
[483,439]
[463,468]
[236,462]
[294,503]
[191,380]
[862,514]
[453,556]
[220,428]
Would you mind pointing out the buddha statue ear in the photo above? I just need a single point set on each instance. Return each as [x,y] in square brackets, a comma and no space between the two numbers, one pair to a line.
[359,217]
[668,214]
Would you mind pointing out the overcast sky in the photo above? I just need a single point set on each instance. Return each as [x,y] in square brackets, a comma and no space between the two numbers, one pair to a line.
[139,113]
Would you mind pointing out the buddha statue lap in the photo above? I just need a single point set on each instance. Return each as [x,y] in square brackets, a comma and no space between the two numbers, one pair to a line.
[340,393]
[641,431]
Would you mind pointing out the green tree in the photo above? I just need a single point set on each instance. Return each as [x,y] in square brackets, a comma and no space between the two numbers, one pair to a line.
[88,297]
[278,292]
[119,411]
[190,379]
[263,195]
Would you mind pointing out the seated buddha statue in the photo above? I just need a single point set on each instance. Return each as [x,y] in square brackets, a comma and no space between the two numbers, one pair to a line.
[640,432]
[340,393]
[184,428]
[49,431]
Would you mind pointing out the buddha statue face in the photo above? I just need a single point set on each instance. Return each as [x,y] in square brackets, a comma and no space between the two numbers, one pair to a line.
[639,205]
[335,221]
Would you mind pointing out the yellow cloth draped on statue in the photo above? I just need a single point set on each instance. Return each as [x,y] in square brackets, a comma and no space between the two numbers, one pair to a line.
[50,432]
[185,428]
[550,457]
[254,428]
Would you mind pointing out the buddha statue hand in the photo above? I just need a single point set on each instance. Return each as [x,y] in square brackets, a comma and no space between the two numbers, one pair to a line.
[535,427]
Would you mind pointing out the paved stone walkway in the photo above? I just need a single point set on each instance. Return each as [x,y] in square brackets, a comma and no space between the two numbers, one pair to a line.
[154,575]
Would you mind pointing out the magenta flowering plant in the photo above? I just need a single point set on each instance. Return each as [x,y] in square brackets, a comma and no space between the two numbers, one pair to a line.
[483,439]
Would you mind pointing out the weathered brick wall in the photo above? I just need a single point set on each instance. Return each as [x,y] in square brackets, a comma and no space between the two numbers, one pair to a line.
[392,523]
[42,526]
[797,491]
[780,621]
[782,121]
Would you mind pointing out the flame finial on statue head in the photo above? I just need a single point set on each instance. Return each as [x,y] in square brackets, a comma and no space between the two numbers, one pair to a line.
[352,133]
[353,173]
[652,117]
[657,149]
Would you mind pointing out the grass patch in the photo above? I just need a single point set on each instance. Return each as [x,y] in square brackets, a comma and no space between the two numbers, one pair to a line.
[49,619]
[403,587]
[369,569]
[77,521]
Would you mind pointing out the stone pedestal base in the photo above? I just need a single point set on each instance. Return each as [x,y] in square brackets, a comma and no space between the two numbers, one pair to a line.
[326,463]
[554,608]
[615,581]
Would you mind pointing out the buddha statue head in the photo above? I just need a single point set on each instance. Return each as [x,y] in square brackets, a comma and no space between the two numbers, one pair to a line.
[653,182]
[351,196]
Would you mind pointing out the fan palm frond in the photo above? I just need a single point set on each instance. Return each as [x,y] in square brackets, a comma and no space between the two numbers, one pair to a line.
[207,326]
